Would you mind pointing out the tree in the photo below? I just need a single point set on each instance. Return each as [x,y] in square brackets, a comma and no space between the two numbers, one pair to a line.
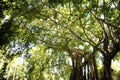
[79,28]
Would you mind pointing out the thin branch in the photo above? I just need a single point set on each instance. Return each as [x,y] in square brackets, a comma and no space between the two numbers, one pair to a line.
[107,23]
[90,40]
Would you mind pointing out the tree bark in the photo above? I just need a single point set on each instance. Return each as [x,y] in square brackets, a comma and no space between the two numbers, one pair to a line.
[95,69]
[84,72]
[77,72]
[107,68]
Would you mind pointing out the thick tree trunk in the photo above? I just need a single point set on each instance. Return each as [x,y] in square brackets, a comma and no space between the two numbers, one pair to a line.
[83,70]
[107,69]
[77,72]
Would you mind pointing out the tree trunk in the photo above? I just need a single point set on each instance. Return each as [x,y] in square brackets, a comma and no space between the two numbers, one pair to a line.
[107,69]
[77,72]
[95,69]
[92,72]
[88,73]
[84,72]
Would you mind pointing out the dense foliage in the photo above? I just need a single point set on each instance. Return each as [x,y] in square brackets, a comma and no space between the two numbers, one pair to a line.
[59,39]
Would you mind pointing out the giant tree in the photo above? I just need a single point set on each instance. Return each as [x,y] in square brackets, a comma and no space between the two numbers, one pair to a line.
[80,28]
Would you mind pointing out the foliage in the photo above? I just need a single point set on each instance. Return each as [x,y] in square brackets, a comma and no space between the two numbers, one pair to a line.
[45,34]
